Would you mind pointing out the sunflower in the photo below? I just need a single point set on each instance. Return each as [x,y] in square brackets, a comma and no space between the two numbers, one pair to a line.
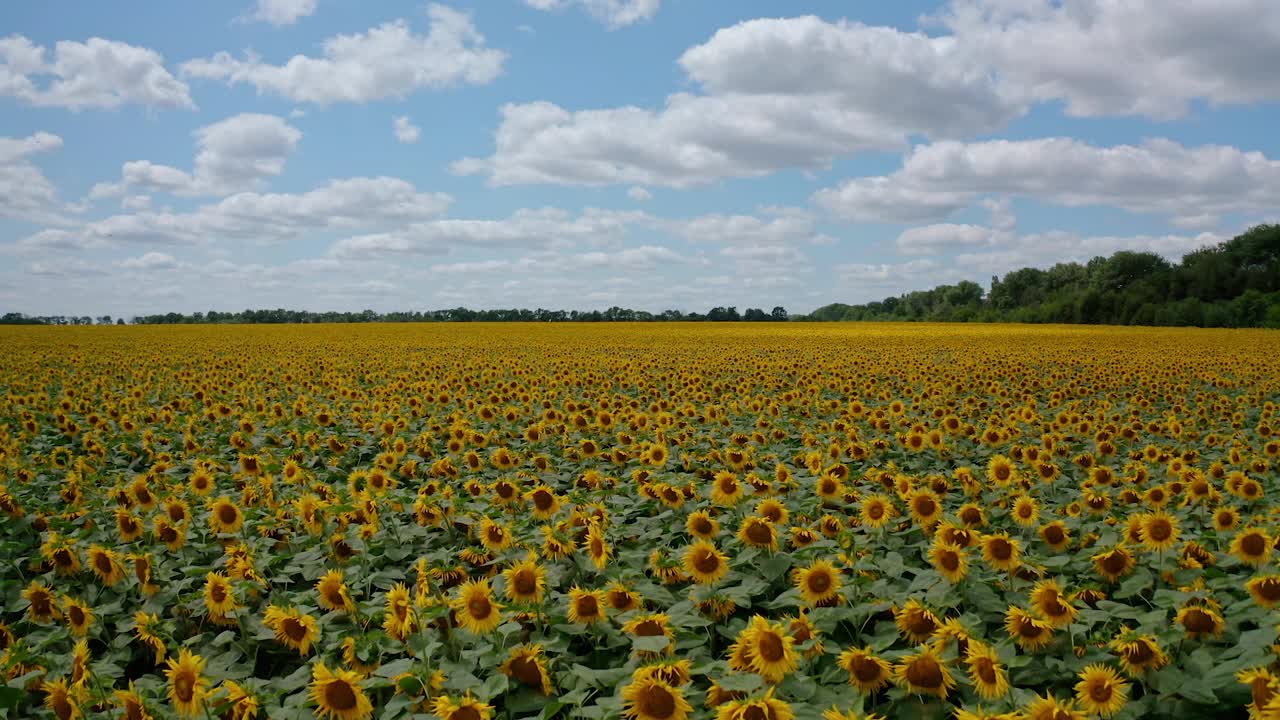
[337,694]
[526,665]
[332,591]
[819,583]
[62,553]
[63,701]
[80,659]
[43,605]
[219,597]
[1159,531]
[916,622]
[990,679]
[669,670]
[1252,547]
[1000,551]
[652,699]
[1139,653]
[867,672]
[106,565]
[1056,535]
[494,535]
[187,685]
[202,482]
[1030,633]
[130,704]
[758,533]
[128,526]
[293,628]
[1226,519]
[770,649]
[876,511]
[586,606]
[78,615]
[1262,688]
[525,581]
[544,501]
[828,488]
[925,507]
[651,625]
[704,563]
[924,673]
[1114,564]
[146,629]
[726,489]
[701,525]
[1101,691]
[621,599]
[1051,605]
[1051,708]
[1199,621]
[597,548]
[972,515]
[1265,590]
[763,708]
[950,561]
[475,607]
[1001,471]
[1025,511]
[243,705]
[173,536]
[224,516]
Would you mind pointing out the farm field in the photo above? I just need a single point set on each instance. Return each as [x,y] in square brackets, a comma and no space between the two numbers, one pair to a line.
[651,522]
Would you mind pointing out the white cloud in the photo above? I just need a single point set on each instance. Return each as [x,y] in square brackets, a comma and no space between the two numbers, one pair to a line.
[406,132]
[388,61]
[283,12]
[929,239]
[639,194]
[785,226]
[1124,57]
[234,154]
[613,13]
[150,261]
[1158,176]
[97,73]
[25,193]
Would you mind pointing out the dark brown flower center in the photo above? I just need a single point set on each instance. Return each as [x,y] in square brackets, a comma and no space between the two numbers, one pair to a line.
[770,647]
[925,673]
[340,695]
[657,702]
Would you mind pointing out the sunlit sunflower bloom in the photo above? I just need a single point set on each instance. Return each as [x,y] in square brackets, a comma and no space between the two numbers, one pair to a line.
[1114,564]
[495,536]
[554,545]
[770,648]
[130,704]
[201,482]
[80,659]
[758,533]
[1001,471]
[525,581]
[701,525]
[1025,511]
[146,627]
[972,515]
[1056,535]
[1252,547]
[924,673]
[1051,708]
[652,699]
[916,622]
[475,607]
[620,598]
[828,487]
[61,700]
[990,679]
[834,713]
[876,511]
[1199,622]
[763,708]
[1051,605]
[704,563]
[950,561]
[597,548]
[586,606]
[128,526]
[1159,531]
[219,598]
[62,553]
[526,665]
[867,672]
[726,489]
[1263,688]
[544,501]
[672,671]
[398,617]
[1139,653]
[819,583]
[242,704]
[1030,633]
[651,625]
[106,565]
[43,604]
[1000,551]
[225,516]
[1265,590]
[1225,519]
[1101,690]
[925,506]
[337,694]
[173,536]
[293,628]
[187,684]
[332,591]
[78,615]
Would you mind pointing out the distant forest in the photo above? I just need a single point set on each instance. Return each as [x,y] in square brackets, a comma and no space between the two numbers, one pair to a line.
[1233,284]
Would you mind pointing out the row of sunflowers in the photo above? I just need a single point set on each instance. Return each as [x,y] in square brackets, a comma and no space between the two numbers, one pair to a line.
[643,522]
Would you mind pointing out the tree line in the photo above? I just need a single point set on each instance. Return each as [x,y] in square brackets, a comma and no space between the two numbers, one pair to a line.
[1235,283]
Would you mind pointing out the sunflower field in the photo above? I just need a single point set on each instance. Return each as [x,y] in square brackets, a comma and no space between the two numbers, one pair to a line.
[649,522]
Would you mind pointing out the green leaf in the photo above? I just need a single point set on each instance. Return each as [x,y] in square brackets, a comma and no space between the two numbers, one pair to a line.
[653,643]
[740,682]
[394,668]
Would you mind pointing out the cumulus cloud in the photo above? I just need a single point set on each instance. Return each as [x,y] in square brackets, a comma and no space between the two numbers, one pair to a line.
[406,132]
[149,261]
[639,194]
[282,12]
[779,226]
[388,61]
[96,73]
[25,192]
[928,239]
[613,13]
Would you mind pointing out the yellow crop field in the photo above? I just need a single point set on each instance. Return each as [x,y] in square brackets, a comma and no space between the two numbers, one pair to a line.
[651,522]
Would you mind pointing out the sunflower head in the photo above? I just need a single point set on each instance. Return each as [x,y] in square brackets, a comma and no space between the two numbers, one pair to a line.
[337,694]
[1101,691]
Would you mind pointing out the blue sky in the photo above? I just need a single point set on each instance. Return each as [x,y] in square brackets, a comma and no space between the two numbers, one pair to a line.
[333,154]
